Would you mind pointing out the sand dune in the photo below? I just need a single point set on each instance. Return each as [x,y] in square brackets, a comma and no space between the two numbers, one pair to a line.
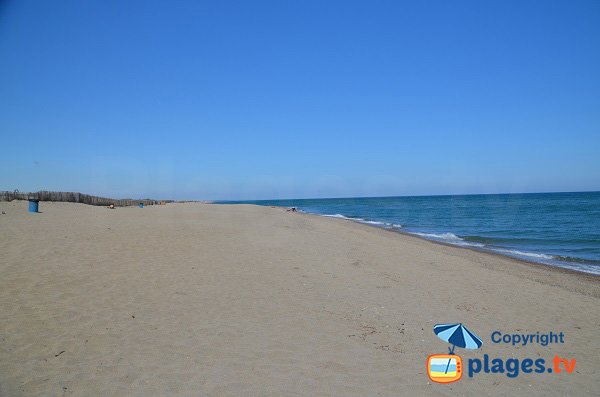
[198,299]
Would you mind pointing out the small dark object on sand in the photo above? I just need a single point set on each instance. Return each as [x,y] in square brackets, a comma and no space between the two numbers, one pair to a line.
[56,355]
[293,209]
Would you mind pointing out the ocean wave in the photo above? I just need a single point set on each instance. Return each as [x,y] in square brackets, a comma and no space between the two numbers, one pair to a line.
[561,261]
[566,262]
[581,267]
[450,238]
[340,216]
[576,260]
[365,221]
[525,240]
[523,253]
[374,222]
[443,236]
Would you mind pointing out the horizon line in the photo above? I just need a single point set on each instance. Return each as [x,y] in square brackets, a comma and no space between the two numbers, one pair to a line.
[414,195]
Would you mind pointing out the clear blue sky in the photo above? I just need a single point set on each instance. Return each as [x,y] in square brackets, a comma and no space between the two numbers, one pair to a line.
[290,99]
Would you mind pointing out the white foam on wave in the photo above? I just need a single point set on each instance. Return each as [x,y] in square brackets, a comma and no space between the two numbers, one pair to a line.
[340,216]
[522,253]
[454,239]
[367,222]
[443,236]
[580,267]
[450,238]
[373,223]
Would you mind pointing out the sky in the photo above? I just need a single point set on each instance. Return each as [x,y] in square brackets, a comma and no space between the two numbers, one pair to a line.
[297,99]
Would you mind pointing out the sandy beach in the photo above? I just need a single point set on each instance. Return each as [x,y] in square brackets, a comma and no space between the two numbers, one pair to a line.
[228,300]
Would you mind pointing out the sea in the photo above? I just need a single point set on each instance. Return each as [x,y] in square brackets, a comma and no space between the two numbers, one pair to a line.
[558,229]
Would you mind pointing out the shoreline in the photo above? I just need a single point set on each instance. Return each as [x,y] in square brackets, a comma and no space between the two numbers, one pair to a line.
[526,264]
[491,251]
[471,248]
[557,229]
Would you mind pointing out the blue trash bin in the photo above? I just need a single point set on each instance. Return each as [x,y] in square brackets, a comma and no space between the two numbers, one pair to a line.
[141,205]
[34,205]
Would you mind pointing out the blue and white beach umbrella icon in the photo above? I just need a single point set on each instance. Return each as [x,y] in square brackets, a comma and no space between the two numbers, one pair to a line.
[457,335]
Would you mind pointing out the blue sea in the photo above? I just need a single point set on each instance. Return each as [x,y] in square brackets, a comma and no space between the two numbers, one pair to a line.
[560,229]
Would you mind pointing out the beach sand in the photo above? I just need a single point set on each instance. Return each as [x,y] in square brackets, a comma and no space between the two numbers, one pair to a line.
[228,300]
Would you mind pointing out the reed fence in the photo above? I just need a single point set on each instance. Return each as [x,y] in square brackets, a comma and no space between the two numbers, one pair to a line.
[73,197]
